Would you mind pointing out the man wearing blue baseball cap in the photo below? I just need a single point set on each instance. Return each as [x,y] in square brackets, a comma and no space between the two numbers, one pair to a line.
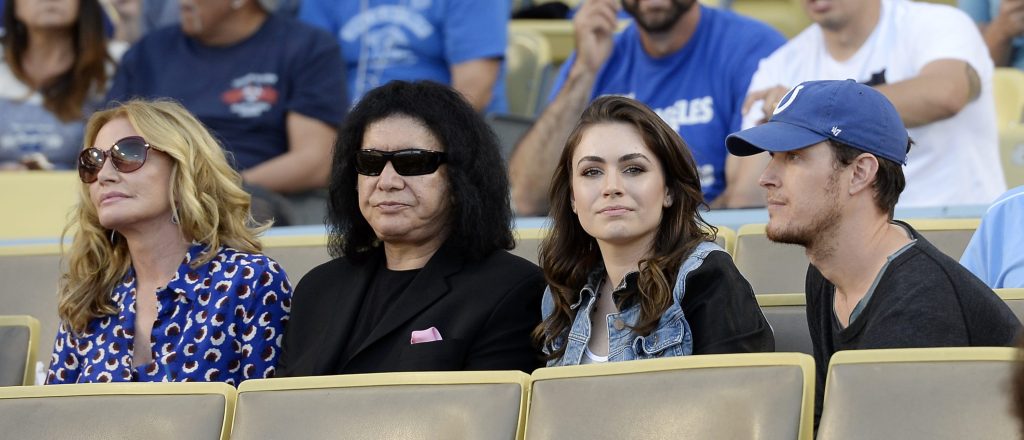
[835,175]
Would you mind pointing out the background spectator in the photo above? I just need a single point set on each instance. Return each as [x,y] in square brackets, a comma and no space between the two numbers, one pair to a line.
[690,63]
[54,70]
[269,87]
[996,251]
[456,42]
[1002,25]
[930,61]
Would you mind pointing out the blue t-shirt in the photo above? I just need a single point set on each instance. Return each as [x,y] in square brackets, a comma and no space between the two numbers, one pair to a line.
[996,251]
[412,39]
[698,90]
[984,12]
[242,92]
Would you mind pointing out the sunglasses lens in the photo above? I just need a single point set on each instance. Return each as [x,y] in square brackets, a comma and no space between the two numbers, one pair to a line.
[129,154]
[416,162]
[405,162]
[370,163]
[90,160]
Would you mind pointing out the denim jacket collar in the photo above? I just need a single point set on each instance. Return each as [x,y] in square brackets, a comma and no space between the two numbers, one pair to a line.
[596,278]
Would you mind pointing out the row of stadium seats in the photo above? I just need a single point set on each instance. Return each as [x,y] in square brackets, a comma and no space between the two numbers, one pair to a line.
[943,393]
[31,272]
[20,343]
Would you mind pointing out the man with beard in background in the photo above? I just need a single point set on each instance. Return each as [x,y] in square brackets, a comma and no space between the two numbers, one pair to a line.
[689,62]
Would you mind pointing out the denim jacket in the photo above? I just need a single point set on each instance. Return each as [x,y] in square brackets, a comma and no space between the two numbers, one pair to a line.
[672,337]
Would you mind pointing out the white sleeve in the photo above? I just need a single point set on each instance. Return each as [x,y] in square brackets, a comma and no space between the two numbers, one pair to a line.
[945,32]
[766,76]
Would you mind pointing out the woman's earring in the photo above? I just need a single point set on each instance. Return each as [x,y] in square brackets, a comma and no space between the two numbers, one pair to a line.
[112,232]
[174,218]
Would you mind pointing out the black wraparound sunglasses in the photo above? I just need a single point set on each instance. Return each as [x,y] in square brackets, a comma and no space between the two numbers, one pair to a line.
[412,162]
[127,155]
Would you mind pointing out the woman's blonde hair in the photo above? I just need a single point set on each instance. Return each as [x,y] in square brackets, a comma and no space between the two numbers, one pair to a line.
[206,197]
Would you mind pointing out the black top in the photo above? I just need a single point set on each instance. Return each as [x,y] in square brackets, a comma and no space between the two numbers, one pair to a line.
[924,298]
[483,309]
[722,311]
[719,305]
[385,289]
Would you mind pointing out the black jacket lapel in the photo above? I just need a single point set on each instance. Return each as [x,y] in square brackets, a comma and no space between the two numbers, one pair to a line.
[428,287]
[340,311]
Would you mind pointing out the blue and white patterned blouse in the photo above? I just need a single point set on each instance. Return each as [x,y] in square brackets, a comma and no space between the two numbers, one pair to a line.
[221,321]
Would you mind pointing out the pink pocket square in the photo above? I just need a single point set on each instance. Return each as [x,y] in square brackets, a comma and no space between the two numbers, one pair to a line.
[428,335]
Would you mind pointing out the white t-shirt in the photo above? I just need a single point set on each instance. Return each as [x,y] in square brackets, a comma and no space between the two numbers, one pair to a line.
[954,161]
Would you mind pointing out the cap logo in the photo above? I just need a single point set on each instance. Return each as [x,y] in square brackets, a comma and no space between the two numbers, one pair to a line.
[788,99]
[836,131]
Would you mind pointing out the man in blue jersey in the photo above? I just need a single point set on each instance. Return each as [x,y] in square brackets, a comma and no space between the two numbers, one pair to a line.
[456,42]
[690,63]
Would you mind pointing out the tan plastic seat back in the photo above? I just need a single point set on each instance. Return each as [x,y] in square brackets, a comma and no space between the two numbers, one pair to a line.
[787,314]
[713,396]
[947,235]
[29,287]
[152,411]
[450,405]
[919,394]
[769,267]
[19,337]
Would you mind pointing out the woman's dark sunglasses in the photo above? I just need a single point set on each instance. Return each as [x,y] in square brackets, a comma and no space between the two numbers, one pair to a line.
[413,162]
[127,155]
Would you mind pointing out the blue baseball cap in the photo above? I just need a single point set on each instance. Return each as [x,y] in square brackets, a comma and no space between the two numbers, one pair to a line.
[810,113]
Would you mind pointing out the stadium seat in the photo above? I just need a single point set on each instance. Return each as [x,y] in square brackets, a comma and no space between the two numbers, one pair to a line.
[770,267]
[297,254]
[36,203]
[1015,299]
[529,70]
[1011,151]
[30,274]
[509,129]
[726,238]
[786,16]
[558,33]
[152,411]
[949,235]
[528,243]
[19,337]
[733,396]
[920,393]
[1008,88]
[443,405]
[787,314]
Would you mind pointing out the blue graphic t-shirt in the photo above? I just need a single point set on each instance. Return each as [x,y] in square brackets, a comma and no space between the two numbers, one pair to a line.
[244,92]
[385,40]
[699,90]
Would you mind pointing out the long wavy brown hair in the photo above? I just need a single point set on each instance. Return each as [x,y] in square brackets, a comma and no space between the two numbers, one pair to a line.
[206,196]
[64,95]
[568,254]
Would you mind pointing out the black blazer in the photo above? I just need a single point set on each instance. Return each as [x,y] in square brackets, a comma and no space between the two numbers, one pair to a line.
[484,311]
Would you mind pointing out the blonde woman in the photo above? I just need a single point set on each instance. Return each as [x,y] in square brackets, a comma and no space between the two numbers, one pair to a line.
[165,254]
